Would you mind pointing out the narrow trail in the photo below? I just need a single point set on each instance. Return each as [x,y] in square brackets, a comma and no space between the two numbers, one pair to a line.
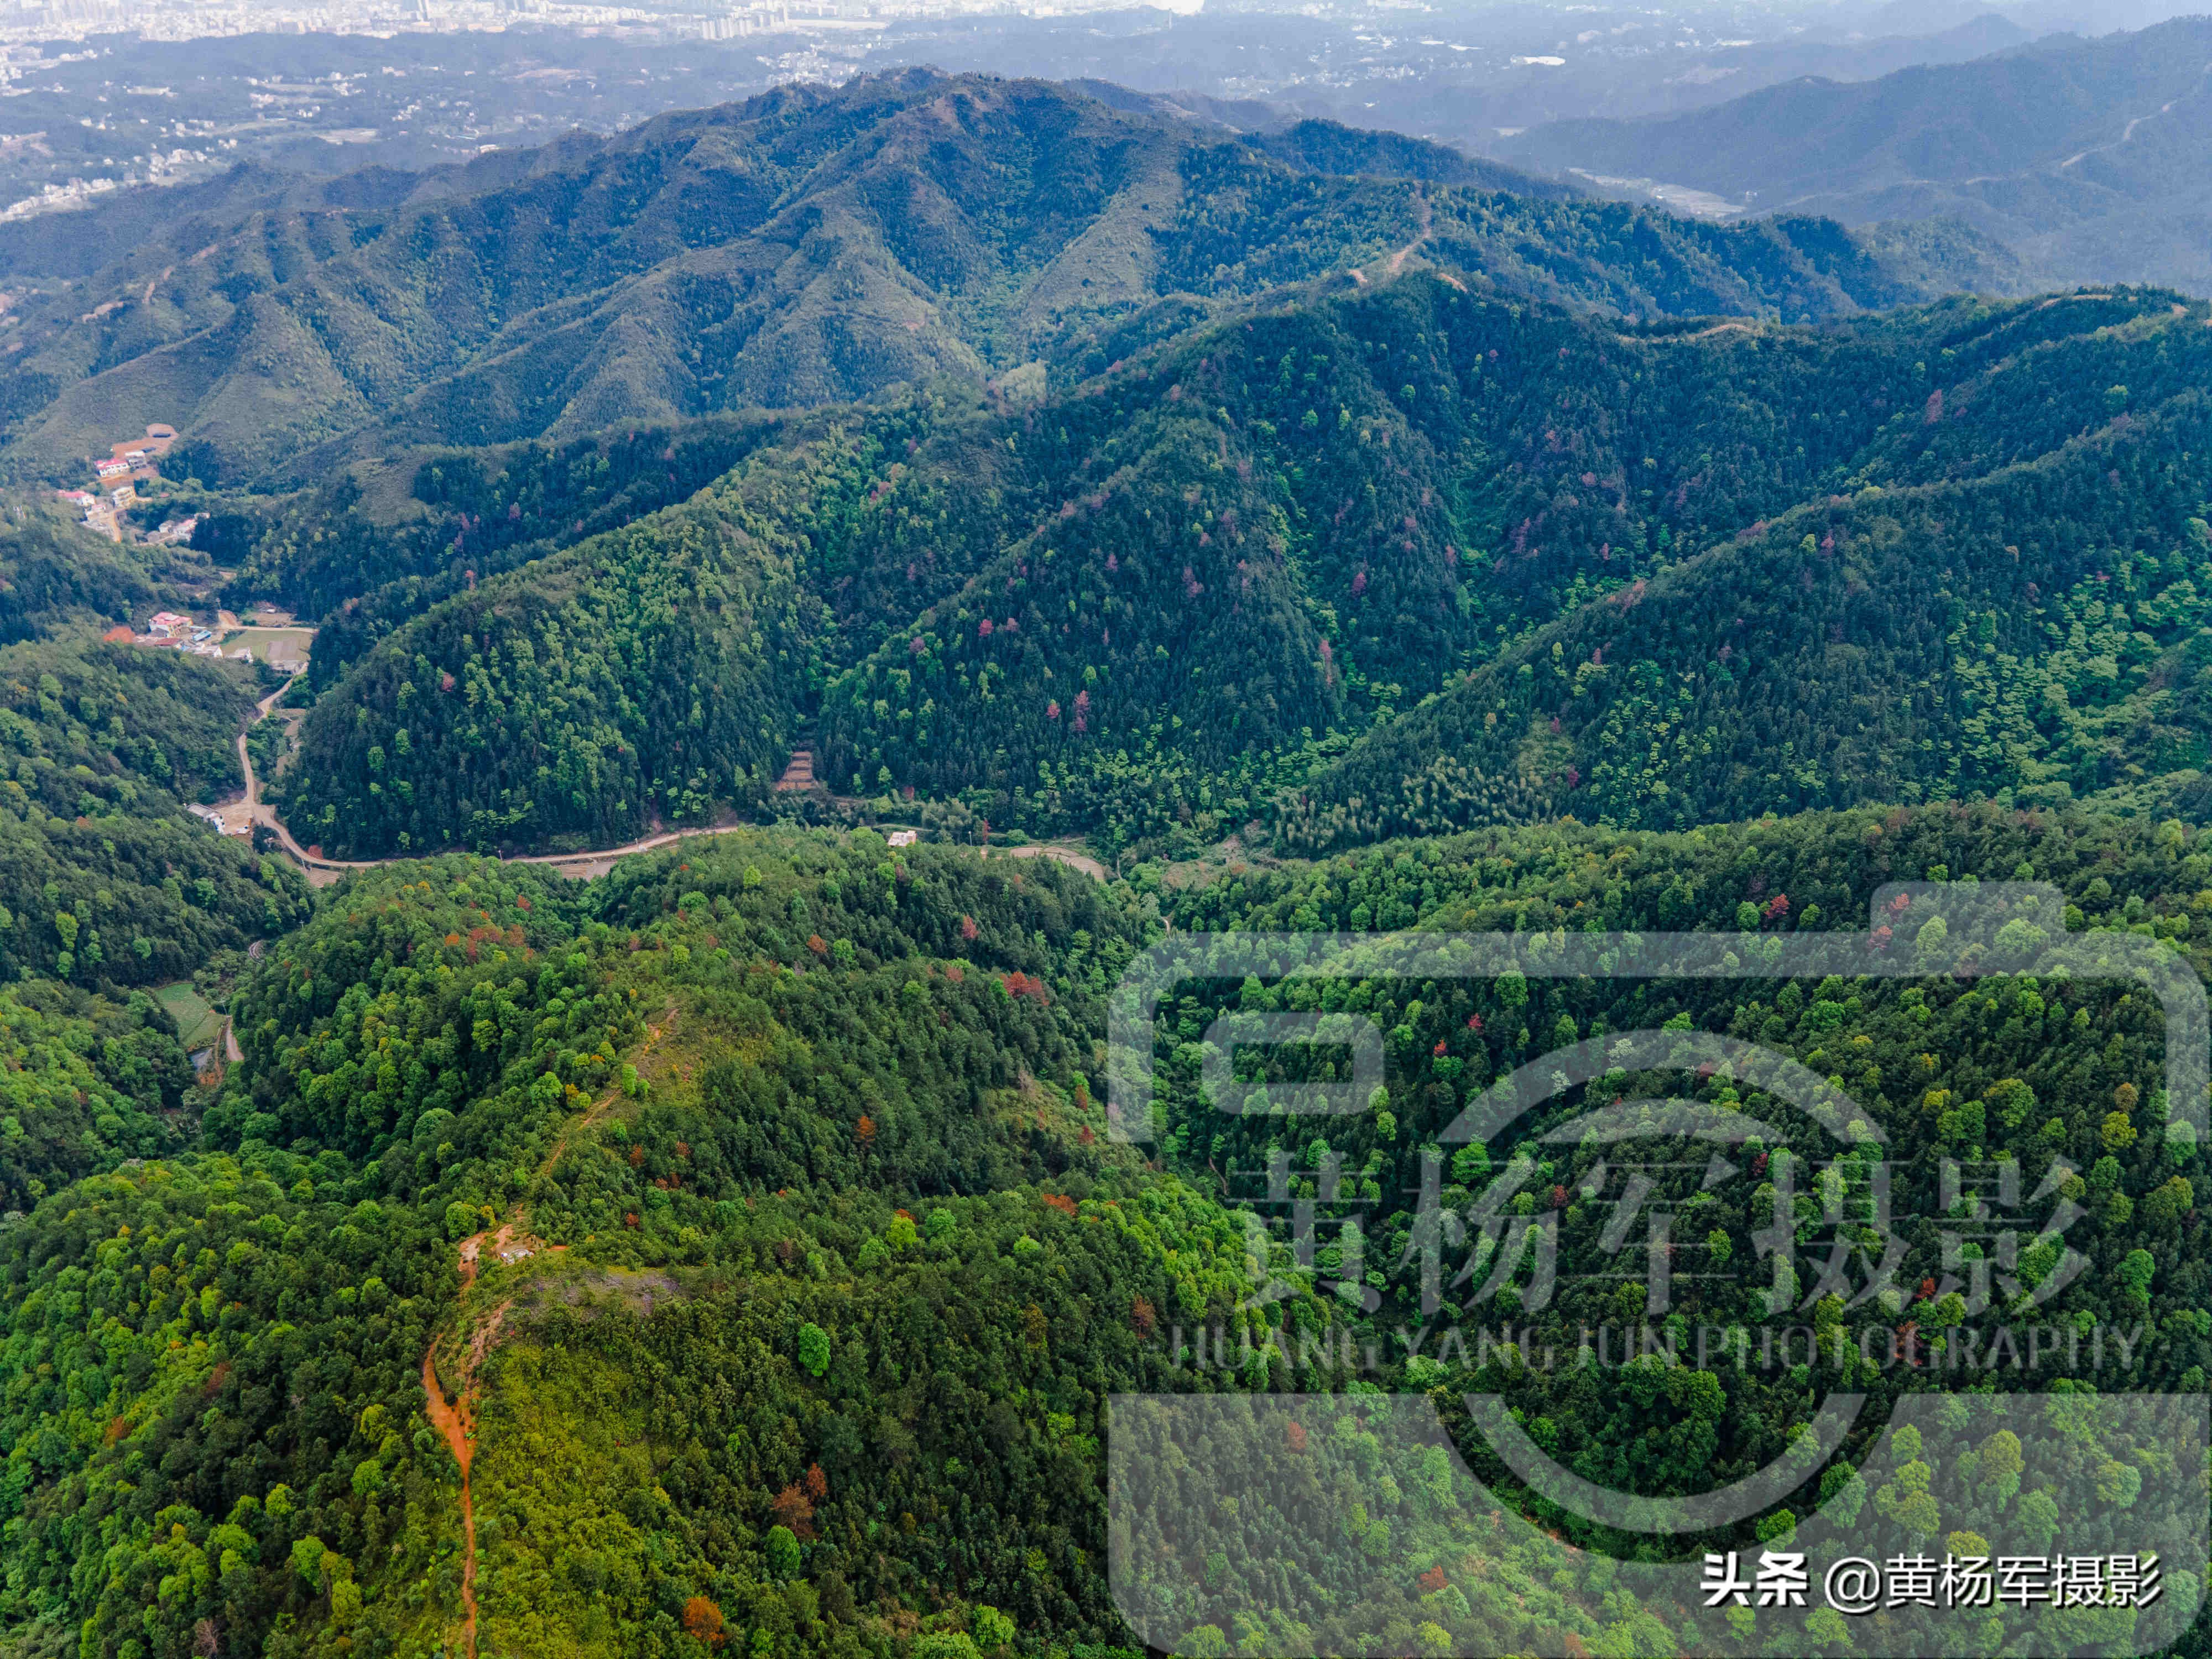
[1731,326]
[457,1424]
[1395,261]
[1428,219]
[246,761]
[2128,132]
[597,1112]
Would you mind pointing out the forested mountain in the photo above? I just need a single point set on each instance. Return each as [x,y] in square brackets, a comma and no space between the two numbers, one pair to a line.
[1484,533]
[659,665]
[809,246]
[52,574]
[95,1079]
[731,1252]
[104,881]
[108,889]
[366,553]
[782,1172]
[2000,596]
[184,218]
[791,1222]
[2085,158]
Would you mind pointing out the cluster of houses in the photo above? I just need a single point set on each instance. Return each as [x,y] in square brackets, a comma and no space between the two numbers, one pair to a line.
[130,461]
[106,515]
[102,513]
[171,630]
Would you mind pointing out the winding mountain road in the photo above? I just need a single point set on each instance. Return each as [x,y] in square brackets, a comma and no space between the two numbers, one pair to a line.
[577,866]
[259,811]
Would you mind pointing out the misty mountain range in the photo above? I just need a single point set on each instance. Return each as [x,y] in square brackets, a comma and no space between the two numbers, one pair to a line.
[2085,158]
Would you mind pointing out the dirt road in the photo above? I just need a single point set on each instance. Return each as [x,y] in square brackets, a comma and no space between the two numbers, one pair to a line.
[454,1425]
[579,866]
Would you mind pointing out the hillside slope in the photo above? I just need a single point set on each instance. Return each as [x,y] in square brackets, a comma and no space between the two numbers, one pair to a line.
[648,669]
[732,1154]
[1148,599]
[1492,537]
[2002,595]
[733,1243]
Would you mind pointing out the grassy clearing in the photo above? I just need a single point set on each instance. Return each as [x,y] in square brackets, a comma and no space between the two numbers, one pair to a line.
[265,643]
[199,1025]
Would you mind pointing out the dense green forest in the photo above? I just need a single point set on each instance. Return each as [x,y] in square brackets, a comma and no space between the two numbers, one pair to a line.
[49,572]
[2000,597]
[104,881]
[364,561]
[806,1265]
[91,1079]
[731,1251]
[89,728]
[440,1049]
[1410,558]
[648,671]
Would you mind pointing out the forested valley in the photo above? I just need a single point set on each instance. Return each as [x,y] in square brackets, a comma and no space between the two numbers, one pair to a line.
[989,544]
[1407,558]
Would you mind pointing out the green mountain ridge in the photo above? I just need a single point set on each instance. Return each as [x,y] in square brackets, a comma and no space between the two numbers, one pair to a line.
[1146,608]
[555,660]
[1973,614]
[807,246]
